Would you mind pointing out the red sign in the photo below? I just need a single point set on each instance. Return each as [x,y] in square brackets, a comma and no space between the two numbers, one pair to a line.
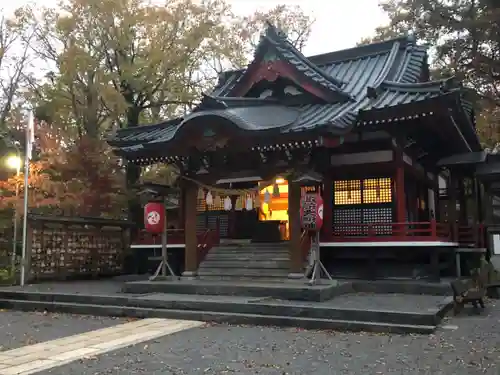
[154,217]
[311,211]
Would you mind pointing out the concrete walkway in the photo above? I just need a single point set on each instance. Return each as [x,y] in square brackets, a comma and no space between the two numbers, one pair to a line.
[46,355]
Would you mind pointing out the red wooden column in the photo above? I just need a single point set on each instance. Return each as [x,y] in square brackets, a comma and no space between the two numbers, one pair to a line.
[328,208]
[190,195]
[296,259]
[399,189]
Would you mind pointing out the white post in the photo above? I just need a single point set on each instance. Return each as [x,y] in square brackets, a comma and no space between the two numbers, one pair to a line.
[14,235]
[27,157]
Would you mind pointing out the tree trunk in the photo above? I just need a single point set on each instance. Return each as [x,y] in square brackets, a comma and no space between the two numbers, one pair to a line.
[133,173]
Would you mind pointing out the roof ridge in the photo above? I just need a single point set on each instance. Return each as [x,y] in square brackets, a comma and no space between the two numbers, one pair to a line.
[281,37]
[363,50]
[443,85]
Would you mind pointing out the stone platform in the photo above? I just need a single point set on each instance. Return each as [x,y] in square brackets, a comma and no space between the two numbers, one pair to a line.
[339,306]
[287,290]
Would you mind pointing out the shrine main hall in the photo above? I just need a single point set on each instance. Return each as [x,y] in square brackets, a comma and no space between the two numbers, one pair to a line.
[378,135]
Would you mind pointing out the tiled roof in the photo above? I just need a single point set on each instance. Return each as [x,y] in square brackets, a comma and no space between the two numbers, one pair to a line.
[275,41]
[375,76]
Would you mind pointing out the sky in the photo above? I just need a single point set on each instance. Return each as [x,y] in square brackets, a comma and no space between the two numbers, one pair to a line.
[338,24]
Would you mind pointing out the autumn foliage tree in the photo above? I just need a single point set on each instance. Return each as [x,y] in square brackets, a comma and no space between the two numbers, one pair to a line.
[121,64]
[72,177]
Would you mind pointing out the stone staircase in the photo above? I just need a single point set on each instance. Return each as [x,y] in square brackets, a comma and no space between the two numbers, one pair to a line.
[251,261]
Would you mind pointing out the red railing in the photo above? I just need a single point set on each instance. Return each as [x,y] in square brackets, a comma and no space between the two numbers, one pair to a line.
[385,231]
[413,231]
[206,240]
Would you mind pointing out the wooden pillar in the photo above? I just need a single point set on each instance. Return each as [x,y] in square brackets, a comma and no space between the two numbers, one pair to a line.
[190,194]
[327,208]
[181,209]
[462,213]
[399,190]
[231,224]
[437,204]
[296,259]
[478,201]
[452,206]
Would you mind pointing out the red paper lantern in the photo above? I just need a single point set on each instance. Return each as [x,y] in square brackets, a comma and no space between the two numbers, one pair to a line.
[311,211]
[154,217]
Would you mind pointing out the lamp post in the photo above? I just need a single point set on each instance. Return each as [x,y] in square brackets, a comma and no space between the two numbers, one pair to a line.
[14,162]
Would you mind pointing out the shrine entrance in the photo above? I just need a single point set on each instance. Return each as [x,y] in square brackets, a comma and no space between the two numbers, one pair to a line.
[265,221]
[274,207]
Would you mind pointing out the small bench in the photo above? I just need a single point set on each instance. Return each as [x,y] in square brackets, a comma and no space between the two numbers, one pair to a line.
[465,292]
[488,280]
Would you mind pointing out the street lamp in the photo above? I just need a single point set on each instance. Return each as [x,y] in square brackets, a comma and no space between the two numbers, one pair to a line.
[15,162]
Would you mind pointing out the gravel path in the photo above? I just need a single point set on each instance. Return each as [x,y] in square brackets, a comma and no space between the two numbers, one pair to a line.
[23,328]
[467,345]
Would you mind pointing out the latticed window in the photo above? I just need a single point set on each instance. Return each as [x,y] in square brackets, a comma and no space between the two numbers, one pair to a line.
[377,190]
[347,192]
[369,191]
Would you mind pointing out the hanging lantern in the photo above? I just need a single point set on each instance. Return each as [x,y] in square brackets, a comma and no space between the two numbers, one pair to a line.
[267,197]
[154,217]
[217,201]
[249,203]
[201,194]
[276,191]
[209,199]
[239,204]
[311,212]
[227,204]
[256,200]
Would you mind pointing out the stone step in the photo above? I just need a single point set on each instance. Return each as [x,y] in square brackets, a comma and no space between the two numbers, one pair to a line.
[240,278]
[246,274]
[282,289]
[245,257]
[207,264]
[253,248]
[230,317]
[218,250]
[246,262]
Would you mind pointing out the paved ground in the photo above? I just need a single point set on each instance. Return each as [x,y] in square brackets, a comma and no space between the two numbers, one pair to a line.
[22,328]
[35,358]
[469,345]
[107,287]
